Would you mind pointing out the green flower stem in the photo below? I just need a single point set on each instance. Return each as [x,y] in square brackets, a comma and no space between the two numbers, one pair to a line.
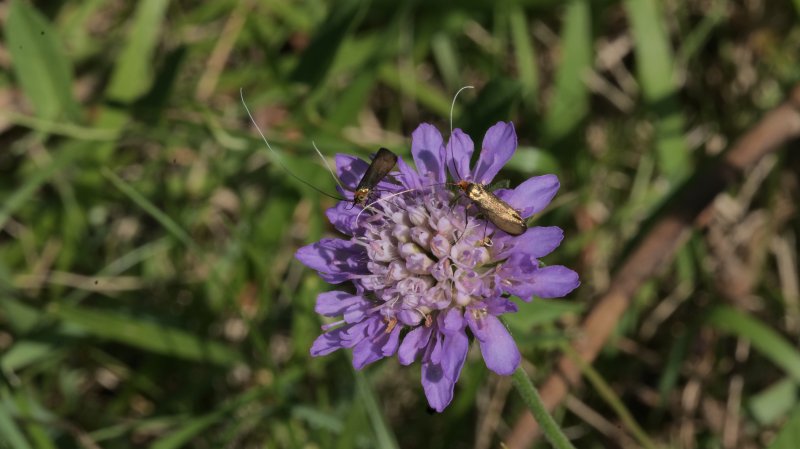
[531,397]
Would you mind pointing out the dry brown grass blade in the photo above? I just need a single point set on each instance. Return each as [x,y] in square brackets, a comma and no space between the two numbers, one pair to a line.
[658,248]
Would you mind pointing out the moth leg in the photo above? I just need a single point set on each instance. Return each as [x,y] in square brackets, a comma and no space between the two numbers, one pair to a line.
[466,223]
[486,241]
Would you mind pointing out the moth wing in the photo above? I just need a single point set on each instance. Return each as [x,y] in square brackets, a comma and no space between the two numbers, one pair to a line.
[502,215]
[380,166]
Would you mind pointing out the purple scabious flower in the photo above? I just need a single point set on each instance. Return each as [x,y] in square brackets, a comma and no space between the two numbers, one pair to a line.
[426,266]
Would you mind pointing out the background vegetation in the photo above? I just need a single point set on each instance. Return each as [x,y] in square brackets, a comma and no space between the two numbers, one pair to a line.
[148,291]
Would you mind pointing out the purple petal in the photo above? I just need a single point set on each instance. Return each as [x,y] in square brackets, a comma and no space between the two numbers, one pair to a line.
[439,379]
[520,275]
[408,176]
[335,260]
[368,349]
[458,155]
[503,245]
[413,345]
[350,170]
[456,345]
[537,242]
[428,151]
[498,147]
[500,305]
[392,341]
[554,281]
[341,337]
[532,196]
[438,387]
[343,217]
[357,312]
[516,273]
[453,321]
[335,303]
[433,353]
[375,346]
[390,183]
[327,342]
[499,350]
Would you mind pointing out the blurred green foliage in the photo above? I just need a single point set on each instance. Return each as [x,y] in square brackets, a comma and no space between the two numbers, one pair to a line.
[148,291]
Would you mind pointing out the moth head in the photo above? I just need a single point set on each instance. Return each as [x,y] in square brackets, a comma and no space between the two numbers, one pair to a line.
[475,191]
[360,196]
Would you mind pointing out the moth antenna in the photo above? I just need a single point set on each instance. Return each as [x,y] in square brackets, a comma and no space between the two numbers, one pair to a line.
[328,166]
[275,153]
[379,200]
[452,106]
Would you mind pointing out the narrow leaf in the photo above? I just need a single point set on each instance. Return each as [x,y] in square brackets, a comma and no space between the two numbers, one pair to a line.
[133,74]
[768,342]
[524,54]
[656,73]
[10,435]
[148,335]
[570,101]
[774,402]
[39,62]
[318,58]
[789,435]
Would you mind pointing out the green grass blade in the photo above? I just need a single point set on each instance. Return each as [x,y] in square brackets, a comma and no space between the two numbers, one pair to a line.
[39,62]
[353,100]
[147,335]
[426,94]
[765,340]
[671,372]
[355,420]
[612,399]
[26,191]
[493,104]
[383,433]
[789,436]
[197,425]
[654,65]
[570,102]
[24,353]
[187,431]
[525,56]
[446,60]
[656,73]
[32,415]
[774,402]
[698,37]
[533,161]
[165,220]
[319,418]
[540,312]
[60,128]
[21,317]
[316,61]
[133,72]
[10,435]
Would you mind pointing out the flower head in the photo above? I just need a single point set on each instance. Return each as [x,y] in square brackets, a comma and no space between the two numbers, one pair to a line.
[423,267]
